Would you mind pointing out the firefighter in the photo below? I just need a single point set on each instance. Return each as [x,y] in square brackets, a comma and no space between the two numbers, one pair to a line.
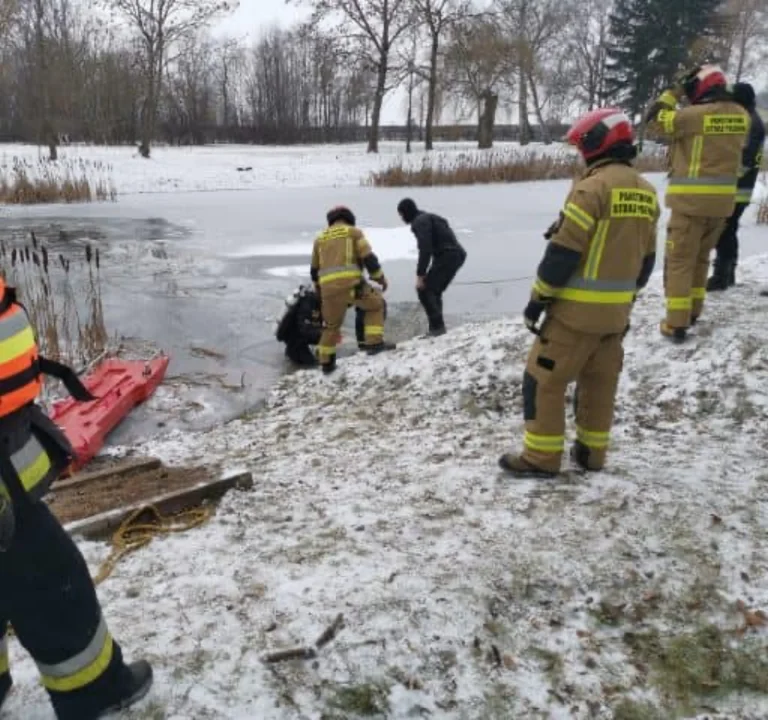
[440,258]
[339,255]
[46,591]
[707,140]
[302,325]
[598,258]
[724,270]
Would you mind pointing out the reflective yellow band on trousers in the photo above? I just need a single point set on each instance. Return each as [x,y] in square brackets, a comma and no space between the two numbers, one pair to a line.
[592,438]
[698,293]
[679,303]
[744,195]
[544,443]
[374,330]
[83,668]
[599,292]
[326,350]
[4,654]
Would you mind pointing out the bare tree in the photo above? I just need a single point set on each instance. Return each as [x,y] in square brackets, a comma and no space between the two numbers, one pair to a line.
[160,24]
[229,59]
[375,27]
[745,36]
[437,16]
[587,47]
[478,60]
[537,26]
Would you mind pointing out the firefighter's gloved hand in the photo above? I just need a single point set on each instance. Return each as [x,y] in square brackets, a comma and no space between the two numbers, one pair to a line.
[7,524]
[383,282]
[554,227]
[532,313]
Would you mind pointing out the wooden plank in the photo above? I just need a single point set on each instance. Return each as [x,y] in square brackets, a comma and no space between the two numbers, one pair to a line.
[125,468]
[104,524]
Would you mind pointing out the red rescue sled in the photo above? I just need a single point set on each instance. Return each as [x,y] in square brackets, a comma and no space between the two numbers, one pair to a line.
[119,386]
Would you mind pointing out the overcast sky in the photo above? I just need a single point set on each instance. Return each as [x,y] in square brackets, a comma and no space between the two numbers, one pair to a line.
[253,15]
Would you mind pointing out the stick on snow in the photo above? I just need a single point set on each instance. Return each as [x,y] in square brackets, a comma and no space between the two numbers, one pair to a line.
[308,653]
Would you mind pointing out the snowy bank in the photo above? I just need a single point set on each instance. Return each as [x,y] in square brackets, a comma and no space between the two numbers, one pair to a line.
[247,167]
[467,595]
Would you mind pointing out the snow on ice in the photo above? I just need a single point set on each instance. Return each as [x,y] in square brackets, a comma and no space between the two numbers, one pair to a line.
[466,595]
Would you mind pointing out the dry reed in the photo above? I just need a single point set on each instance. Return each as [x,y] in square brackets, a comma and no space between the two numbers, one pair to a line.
[62,297]
[495,166]
[24,182]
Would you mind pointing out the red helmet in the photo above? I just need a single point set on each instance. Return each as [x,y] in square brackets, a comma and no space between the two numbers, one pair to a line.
[703,79]
[599,130]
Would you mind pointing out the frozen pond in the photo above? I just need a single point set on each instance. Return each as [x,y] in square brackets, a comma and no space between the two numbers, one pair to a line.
[204,274]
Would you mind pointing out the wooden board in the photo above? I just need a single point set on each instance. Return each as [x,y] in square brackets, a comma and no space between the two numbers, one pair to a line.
[109,471]
[104,524]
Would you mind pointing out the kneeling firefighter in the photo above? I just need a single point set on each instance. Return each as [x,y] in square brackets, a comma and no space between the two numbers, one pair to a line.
[302,325]
[599,256]
[46,591]
[339,255]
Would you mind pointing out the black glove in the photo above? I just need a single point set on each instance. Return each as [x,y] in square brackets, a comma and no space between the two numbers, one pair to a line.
[7,523]
[554,227]
[532,313]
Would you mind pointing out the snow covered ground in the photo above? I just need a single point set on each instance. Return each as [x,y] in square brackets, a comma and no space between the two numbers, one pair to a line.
[243,167]
[467,595]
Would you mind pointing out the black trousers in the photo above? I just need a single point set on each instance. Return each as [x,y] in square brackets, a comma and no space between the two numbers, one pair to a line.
[47,595]
[728,244]
[439,277]
[298,351]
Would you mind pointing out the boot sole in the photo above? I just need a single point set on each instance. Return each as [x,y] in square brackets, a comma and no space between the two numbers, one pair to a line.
[138,696]
[531,474]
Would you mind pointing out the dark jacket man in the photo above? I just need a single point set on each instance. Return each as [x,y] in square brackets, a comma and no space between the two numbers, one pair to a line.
[440,257]
[724,271]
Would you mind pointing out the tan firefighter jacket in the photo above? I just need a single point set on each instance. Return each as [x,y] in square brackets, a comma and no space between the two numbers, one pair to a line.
[603,252]
[339,255]
[706,146]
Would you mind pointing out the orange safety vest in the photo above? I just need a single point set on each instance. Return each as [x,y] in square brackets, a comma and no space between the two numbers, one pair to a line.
[20,381]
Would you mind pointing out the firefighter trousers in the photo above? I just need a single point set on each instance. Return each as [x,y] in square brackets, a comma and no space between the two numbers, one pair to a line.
[728,244]
[47,595]
[560,356]
[690,241]
[335,303]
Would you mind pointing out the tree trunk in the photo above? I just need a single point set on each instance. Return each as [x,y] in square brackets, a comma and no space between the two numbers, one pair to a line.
[490,101]
[431,92]
[522,106]
[409,121]
[546,136]
[378,101]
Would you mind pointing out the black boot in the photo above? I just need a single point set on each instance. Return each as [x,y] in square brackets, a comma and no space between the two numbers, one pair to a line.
[380,347]
[5,687]
[138,683]
[330,366]
[720,273]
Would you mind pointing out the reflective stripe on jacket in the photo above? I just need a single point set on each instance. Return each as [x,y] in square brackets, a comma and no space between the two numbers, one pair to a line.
[19,371]
[339,255]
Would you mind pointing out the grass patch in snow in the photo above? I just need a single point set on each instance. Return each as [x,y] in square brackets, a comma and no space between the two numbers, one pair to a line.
[26,182]
[701,663]
[509,165]
[369,699]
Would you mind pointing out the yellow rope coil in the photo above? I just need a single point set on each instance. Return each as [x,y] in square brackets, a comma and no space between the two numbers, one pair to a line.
[132,535]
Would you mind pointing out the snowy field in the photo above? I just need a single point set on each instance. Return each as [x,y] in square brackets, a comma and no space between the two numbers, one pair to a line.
[466,595]
[245,167]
